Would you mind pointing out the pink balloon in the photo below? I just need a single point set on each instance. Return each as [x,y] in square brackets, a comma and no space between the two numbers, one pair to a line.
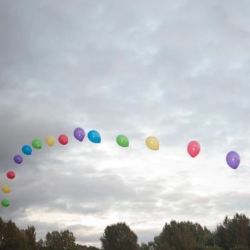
[193,148]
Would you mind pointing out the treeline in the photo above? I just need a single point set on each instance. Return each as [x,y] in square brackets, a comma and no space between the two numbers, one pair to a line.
[231,234]
[13,238]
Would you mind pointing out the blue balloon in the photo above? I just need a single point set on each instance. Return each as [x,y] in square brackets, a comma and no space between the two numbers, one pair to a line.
[27,150]
[94,136]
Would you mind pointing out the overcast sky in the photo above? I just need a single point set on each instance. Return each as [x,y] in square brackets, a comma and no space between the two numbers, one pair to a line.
[178,70]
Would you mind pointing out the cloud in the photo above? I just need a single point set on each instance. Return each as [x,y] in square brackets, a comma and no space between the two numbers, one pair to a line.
[177,70]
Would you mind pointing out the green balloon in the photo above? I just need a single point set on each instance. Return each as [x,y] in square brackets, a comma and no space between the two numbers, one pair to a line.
[5,202]
[122,141]
[37,144]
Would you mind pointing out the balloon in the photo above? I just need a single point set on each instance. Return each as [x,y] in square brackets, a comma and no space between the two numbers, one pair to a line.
[122,141]
[152,143]
[94,136]
[5,202]
[233,159]
[63,139]
[6,189]
[18,159]
[193,148]
[27,150]
[10,175]
[50,140]
[37,143]
[79,134]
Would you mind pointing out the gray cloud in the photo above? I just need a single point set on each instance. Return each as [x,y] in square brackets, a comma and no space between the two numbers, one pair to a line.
[177,70]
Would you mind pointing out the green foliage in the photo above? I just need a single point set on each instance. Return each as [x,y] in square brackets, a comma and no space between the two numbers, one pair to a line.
[144,246]
[213,248]
[30,235]
[231,234]
[234,233]
[13,238]
[119,236]
[79,247]
[182,236]
[60,240]
[240,248]
[40,245]
[149,246]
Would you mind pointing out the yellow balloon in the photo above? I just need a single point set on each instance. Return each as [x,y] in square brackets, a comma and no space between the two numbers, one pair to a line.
[152,143]
[50,140]
[6,189]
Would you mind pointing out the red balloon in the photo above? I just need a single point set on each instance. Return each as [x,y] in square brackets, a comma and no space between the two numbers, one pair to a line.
[10,175]
[63,139]
[193,148]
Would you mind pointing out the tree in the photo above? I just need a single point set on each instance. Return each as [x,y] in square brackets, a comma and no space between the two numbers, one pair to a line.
[119,236]
[11,237]
[63,240]
[240,248]
[149,246]
[30,235]
[213,248]
[233,233]
[80,247]
[182,236]
[40,245]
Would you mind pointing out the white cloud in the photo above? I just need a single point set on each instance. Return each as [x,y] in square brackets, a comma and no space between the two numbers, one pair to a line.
[177,70]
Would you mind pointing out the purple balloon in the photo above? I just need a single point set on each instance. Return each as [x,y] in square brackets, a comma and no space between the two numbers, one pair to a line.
[79,134]
[233,159]
[18,159]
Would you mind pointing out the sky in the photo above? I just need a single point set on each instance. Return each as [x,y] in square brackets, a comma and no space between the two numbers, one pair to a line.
[177,70]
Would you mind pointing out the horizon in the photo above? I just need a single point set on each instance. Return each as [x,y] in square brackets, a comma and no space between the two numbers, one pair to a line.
[139,242]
